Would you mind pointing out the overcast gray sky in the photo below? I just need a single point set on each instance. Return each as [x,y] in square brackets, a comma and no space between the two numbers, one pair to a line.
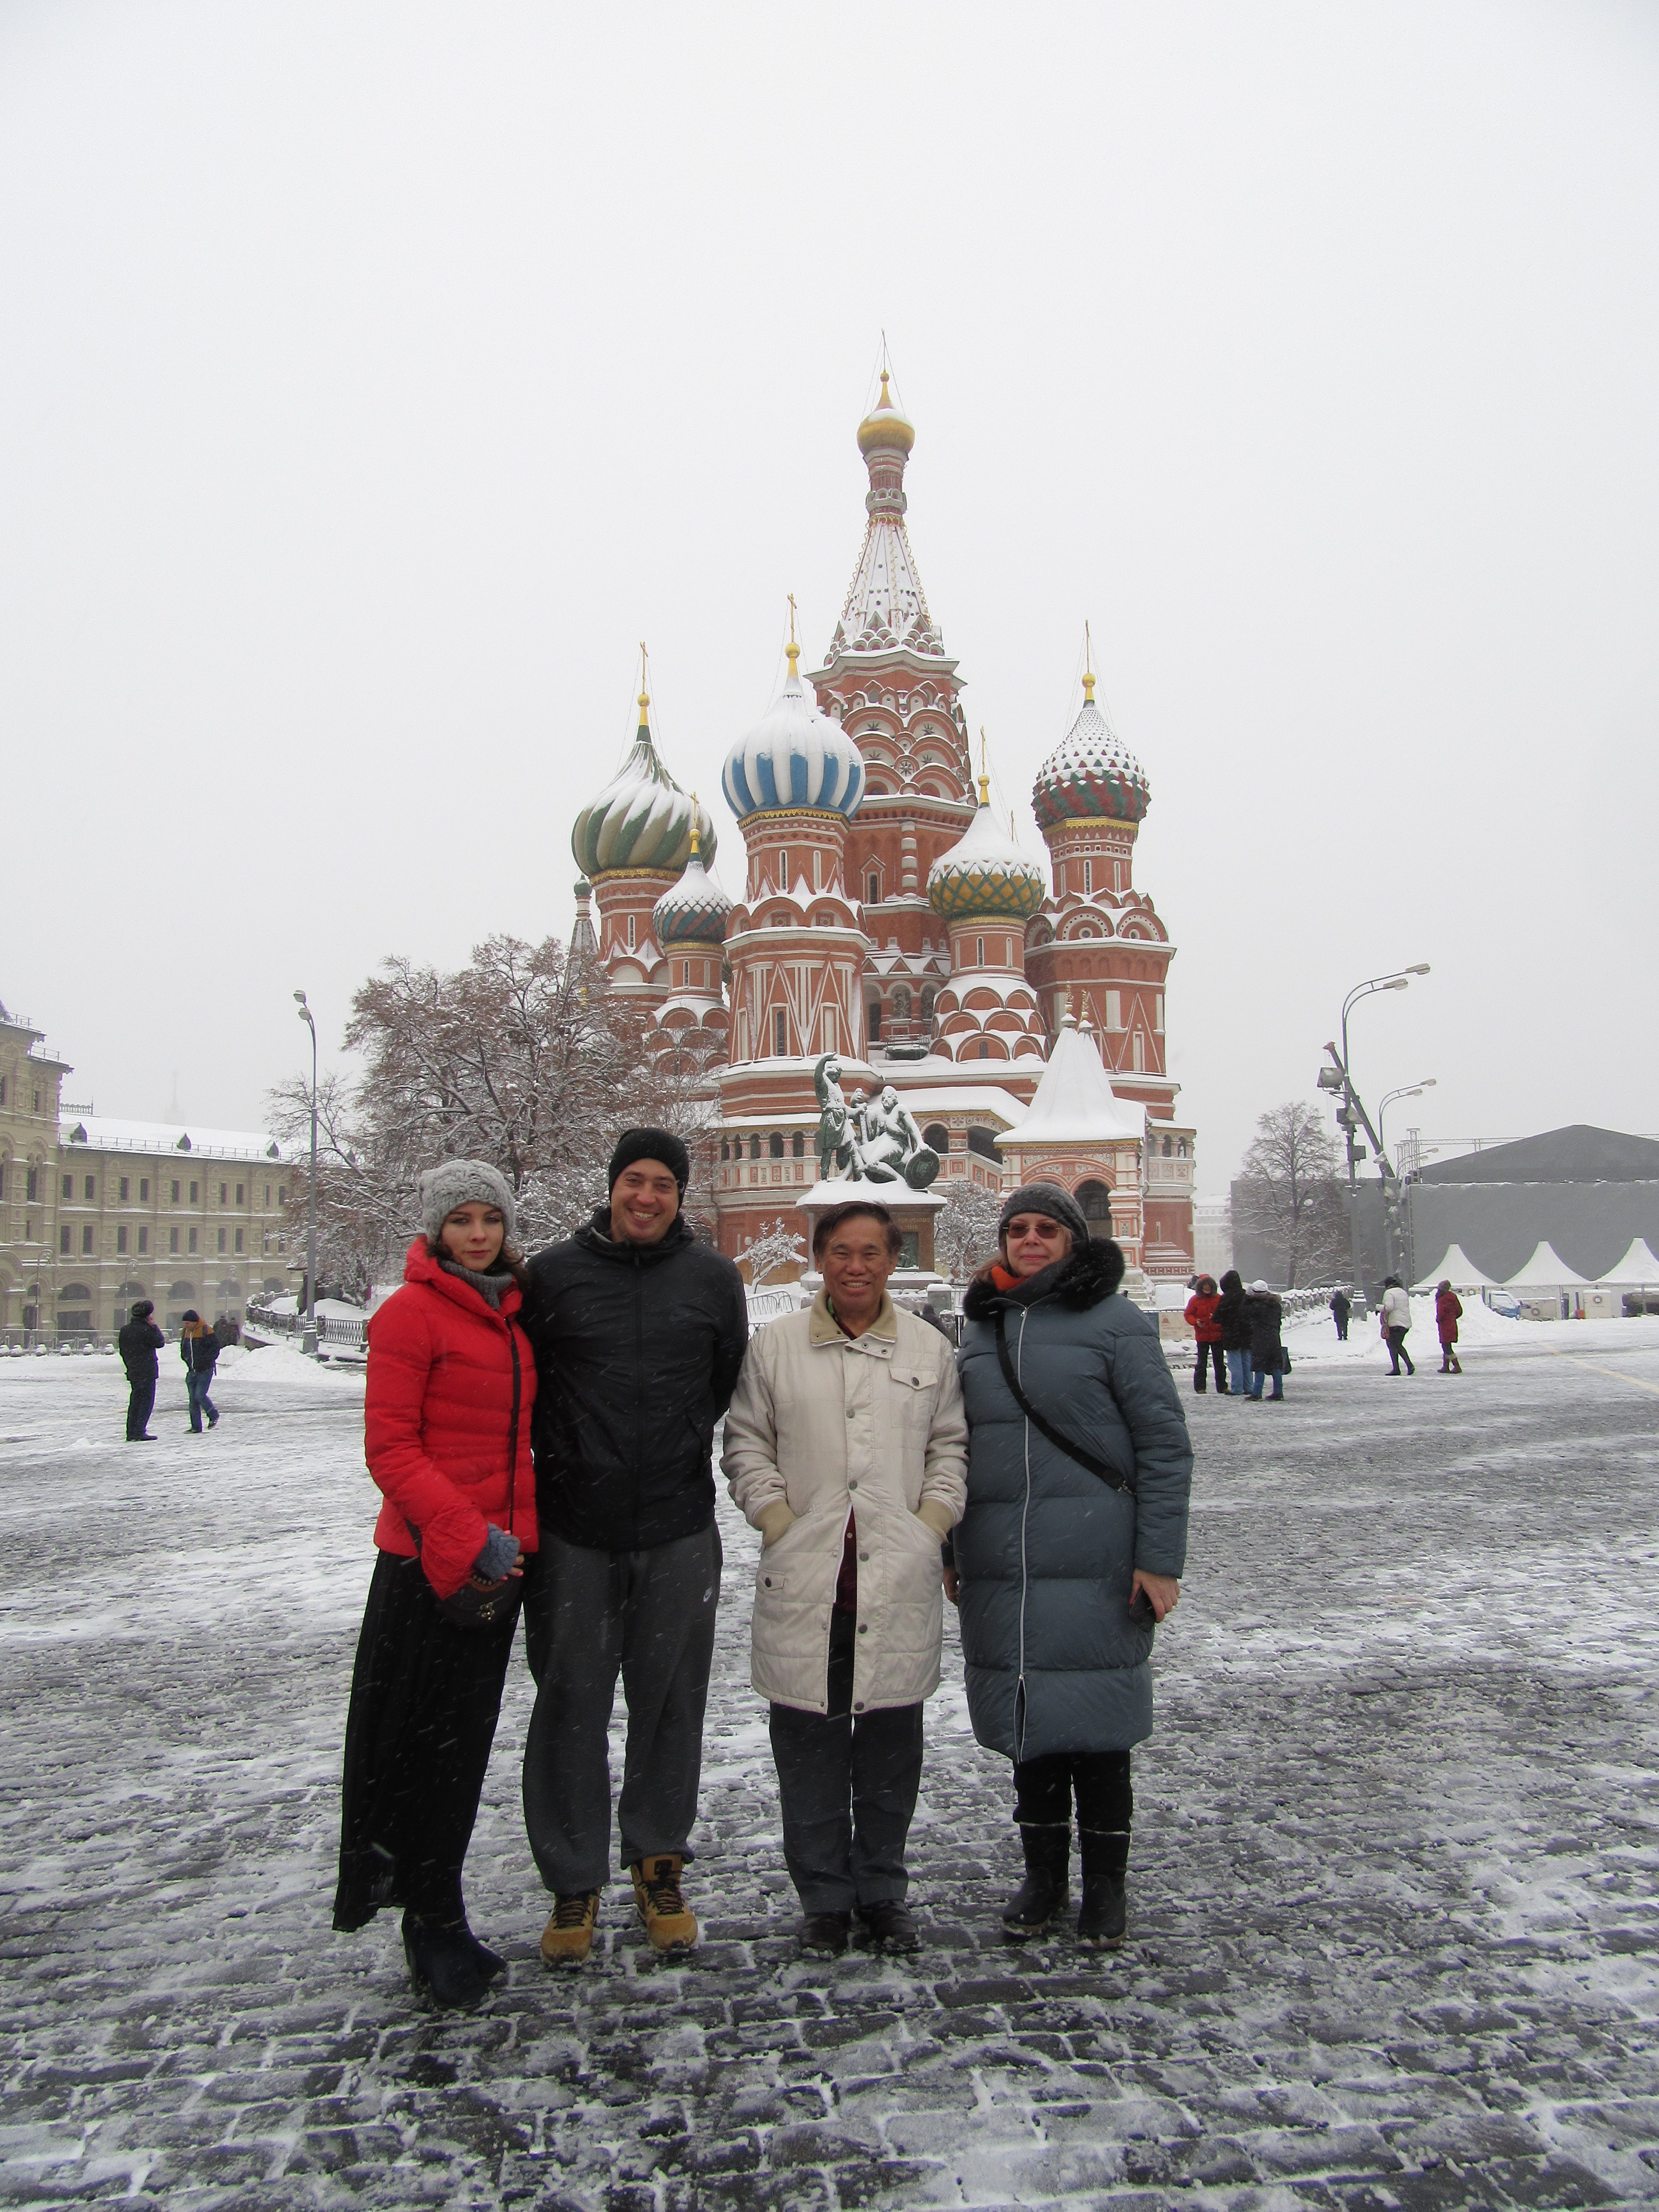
[373,379]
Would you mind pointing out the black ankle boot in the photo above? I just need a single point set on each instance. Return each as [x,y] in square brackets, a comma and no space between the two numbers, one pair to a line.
[444,1962]
[1043,1892]
[1105,1918]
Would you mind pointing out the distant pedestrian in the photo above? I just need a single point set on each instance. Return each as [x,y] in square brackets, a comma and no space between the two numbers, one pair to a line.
[1070,1552]
[1396,1322]
[1341,1307]
[1267,1315]
[640,1330]
[1200,1319]
[1448,1312]
[447,1415]
[1230,1318]
[847,1447]
[138,1342]
[198,1347]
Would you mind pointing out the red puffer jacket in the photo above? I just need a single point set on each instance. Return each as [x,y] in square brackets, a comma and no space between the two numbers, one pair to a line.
[1199,1313]
[436,1418]
[1448,1312]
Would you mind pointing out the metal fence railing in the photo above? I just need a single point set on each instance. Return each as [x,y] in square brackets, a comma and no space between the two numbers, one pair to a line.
[334,1330]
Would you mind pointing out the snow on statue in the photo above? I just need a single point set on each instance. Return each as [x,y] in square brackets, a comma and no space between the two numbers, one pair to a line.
[866,1141]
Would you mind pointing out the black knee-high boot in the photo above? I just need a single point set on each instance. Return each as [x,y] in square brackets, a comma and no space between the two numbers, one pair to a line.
[1042,1894]
[1104,1917]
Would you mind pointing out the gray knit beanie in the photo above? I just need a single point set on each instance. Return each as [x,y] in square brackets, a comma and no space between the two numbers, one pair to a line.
[1046,1198]
[462,1183]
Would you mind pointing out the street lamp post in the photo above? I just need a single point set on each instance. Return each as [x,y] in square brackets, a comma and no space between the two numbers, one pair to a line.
[1394,1211]
[1399,981]
[308,1339]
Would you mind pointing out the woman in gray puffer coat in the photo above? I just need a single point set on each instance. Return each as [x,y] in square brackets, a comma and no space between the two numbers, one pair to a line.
[1062,1572]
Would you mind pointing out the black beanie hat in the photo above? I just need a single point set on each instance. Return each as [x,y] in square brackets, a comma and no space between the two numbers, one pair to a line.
[650,1145]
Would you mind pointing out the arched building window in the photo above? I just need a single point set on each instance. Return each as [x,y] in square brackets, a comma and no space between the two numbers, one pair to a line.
[937,1138]
[797,1146]
[774,1146]
[1096,1200]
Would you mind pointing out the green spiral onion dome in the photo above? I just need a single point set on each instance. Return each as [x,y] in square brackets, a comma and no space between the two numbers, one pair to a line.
[641,819]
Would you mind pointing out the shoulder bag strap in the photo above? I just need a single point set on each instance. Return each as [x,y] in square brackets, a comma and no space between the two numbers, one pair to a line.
[512,1428]
[1108,1475]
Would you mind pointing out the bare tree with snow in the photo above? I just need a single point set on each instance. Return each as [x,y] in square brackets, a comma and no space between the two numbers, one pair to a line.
[965,1229]
[1288,1195]
[776,1247]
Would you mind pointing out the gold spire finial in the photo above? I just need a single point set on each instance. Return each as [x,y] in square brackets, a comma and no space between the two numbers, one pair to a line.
[984,773]
[1088,668]
[696,841]
[645,693]
[791,649]
[885,399]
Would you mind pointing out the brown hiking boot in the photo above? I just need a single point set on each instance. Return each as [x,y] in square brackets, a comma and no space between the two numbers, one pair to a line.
[669,1920]
[568,1935]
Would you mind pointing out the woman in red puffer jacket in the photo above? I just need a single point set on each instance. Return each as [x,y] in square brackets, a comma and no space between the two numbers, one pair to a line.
[452,1384]
[1200,1319]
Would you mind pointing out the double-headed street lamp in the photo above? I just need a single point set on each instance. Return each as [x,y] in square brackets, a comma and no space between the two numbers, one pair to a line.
[1352,1111]
[1407,1091]
[308,1339]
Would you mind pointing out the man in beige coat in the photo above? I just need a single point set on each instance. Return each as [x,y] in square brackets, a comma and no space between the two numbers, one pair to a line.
[845,1446]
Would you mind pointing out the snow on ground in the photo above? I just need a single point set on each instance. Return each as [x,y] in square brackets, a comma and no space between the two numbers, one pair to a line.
[1393,1927]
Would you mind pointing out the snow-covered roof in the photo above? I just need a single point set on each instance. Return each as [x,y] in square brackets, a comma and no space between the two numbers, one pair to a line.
[99,1132]
[1075,1103]
[1456,1267]
[1545,1271]
[959,1098]
[1639,1267]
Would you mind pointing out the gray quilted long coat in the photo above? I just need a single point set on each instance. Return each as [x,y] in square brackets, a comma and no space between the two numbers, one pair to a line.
[1046,1550]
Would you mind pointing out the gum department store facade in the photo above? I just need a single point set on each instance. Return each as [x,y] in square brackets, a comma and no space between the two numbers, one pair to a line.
[887,918]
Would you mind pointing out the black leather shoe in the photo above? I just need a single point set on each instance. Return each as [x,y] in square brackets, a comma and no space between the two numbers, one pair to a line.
[891,1926]
[823,1935]
[443,1963]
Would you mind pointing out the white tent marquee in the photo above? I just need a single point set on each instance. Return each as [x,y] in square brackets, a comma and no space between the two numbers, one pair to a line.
[1457,1268]
[1638,1270]
[1545,1271]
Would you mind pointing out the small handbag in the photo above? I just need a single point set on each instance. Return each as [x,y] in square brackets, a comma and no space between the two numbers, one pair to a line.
[498,1605]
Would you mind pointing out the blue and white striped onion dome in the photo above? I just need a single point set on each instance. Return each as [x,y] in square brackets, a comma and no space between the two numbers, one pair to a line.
[986,875]
[1091,776]
[693,911]
[796,757]
[641,819]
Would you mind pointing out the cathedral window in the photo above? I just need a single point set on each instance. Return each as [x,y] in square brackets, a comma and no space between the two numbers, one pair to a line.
[797,1146]
[780,1032]
[901,1005]
[774,1146]
[754,1148]
[872,1020]
[928,1004]
[632,942]
[873,888]
[1088,879]
[1138,1051]
[979,953]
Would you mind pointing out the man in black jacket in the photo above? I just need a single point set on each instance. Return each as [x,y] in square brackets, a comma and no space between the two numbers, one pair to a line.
[640,1332]
[138,1342]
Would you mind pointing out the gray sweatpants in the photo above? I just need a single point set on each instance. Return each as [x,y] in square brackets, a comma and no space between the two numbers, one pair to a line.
[588,1616]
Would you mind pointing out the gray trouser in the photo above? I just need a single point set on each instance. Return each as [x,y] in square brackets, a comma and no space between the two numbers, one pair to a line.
[588,1616]
[847,1788]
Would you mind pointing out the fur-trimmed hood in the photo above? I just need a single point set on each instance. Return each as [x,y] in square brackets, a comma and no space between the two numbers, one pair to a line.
[1083,1278]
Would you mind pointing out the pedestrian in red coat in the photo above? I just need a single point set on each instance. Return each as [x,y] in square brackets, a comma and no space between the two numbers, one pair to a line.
[1448,1312]
[452,1382]
[1200,1319]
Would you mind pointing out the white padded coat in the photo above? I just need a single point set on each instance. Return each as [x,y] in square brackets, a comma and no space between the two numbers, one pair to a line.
[831,1426]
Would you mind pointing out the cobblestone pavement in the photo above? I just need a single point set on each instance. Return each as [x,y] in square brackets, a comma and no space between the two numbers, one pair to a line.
[1393,1926]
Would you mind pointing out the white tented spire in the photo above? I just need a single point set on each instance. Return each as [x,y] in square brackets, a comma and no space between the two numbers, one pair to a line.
[1075,1103]
[886,608]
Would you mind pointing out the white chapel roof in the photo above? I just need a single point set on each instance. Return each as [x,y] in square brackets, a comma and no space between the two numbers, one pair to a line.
[1075,1103]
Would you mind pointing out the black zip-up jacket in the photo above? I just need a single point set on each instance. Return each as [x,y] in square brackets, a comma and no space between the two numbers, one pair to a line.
[638,1348]
[138,1342]
[1230,1316]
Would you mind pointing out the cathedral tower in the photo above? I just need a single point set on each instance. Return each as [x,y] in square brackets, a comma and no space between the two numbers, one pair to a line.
[889,682]
[631,843]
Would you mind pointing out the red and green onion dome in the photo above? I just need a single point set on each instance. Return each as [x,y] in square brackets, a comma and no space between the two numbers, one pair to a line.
[695,910]
[985,875]
[1091,775]
[641,819]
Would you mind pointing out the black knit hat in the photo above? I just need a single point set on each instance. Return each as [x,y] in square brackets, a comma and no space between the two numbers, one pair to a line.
[650,1145]
[1049,1198]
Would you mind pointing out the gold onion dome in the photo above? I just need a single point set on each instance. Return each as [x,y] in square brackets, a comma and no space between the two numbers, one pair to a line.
[985,875]
[695,910]
[884,427]
[641,819]
[1091,776]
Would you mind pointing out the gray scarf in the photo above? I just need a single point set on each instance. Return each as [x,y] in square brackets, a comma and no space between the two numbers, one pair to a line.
[489,1287]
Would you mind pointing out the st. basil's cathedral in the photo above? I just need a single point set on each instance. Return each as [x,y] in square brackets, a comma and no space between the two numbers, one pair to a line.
[890,920]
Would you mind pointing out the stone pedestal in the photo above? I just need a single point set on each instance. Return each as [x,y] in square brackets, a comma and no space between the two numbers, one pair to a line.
[913,1210]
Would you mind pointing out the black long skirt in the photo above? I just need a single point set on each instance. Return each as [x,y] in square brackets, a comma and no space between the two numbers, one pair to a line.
[425,1697]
